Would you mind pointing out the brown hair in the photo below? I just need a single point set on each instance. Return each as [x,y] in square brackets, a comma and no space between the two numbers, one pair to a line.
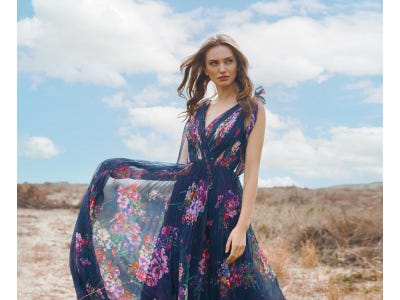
[195,80]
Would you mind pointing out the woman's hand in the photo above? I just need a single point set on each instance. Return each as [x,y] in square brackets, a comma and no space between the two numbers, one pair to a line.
[236,244]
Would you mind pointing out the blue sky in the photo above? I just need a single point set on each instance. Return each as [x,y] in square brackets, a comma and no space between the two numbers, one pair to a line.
[98,80]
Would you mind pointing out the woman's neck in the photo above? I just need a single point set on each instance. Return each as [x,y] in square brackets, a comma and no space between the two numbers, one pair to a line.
[226,95]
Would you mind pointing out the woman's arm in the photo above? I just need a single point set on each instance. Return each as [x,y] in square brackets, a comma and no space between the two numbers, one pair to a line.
[237,239]
[184,153]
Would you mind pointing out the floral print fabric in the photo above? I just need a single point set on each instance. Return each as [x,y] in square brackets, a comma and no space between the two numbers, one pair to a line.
[155,230]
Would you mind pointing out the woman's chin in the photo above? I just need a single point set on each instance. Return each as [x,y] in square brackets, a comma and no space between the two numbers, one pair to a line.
[224,84]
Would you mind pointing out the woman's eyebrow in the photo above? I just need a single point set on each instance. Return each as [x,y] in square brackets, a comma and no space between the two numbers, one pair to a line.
[214,59]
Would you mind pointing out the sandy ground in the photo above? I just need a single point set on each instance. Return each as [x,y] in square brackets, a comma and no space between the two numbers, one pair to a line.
[43,249]
[43,270]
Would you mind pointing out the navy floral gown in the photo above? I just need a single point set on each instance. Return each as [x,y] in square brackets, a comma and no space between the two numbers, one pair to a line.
[154,230]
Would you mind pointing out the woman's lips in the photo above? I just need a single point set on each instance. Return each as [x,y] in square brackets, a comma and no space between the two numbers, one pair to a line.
[223,77]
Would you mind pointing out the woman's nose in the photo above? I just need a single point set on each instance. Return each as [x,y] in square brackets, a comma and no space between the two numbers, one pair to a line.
[222,68]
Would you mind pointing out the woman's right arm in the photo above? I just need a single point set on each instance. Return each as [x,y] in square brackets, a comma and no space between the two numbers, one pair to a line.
[184,152]
[183,148]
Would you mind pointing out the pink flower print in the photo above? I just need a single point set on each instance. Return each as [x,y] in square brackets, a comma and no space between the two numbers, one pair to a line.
[183,293]
[195,200]
[100,293]
[129,191]
[121,172]
[134,238]
[116,271]
[123,201]
[134,196]
[180,272]
[220,199]
[148,238]
[145,219]
[91,291]
[79,243]
[114,290]
[144,262]
[92,200]
[140,275]
[117,227]
[137,173]
[236,279]
[235,147]
[158,267]
[168,230]
[204,261]
[154,194]
[134,234]
[225,127]
[223,275]
[237,132]
[264,261]
[102,237]
[120,217]
[84,262]
[136,227]
[230,206]
[100,255]
[140,267]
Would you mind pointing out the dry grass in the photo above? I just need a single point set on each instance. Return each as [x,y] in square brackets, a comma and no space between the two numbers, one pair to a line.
[321,244]
[333,291]
[278,256]
[48,195]
[308,254]
[329,232]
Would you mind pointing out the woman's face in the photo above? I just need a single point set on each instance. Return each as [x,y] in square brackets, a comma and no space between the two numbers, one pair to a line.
[221,65]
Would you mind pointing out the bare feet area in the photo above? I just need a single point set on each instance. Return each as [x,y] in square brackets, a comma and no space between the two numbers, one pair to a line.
[322,243]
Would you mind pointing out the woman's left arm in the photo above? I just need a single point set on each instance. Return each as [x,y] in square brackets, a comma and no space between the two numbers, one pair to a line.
[237,239]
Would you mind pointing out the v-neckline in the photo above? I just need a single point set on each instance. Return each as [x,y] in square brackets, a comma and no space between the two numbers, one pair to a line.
[206,127]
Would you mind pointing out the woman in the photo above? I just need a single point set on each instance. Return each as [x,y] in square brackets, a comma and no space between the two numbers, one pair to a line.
[153,230]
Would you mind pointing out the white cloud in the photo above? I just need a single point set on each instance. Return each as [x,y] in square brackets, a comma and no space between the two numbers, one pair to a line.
[296,49]
[102,41]
[286,7]
[344,153]
[148,96]
[151,94]
[99,41]
[154,132]
[154,146]
[276,8]
[274,121]
[163,119]
[371,93]
[117,100]
[277,181]
[40,147]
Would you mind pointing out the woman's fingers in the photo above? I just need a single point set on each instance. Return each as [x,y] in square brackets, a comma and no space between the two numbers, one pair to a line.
[236,252]
[236,243]
[228,244]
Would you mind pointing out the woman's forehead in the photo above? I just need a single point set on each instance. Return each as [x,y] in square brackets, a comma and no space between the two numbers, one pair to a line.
[219,52]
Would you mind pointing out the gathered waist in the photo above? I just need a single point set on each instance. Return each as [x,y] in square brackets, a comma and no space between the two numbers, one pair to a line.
[211,167]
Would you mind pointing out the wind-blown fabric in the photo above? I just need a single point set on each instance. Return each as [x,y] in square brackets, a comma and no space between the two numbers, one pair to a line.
[155,230]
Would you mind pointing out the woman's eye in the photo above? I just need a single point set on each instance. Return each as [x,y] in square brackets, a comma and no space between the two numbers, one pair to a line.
[213,63]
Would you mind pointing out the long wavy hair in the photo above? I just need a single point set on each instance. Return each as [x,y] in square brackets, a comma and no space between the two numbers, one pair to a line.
[194,84]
